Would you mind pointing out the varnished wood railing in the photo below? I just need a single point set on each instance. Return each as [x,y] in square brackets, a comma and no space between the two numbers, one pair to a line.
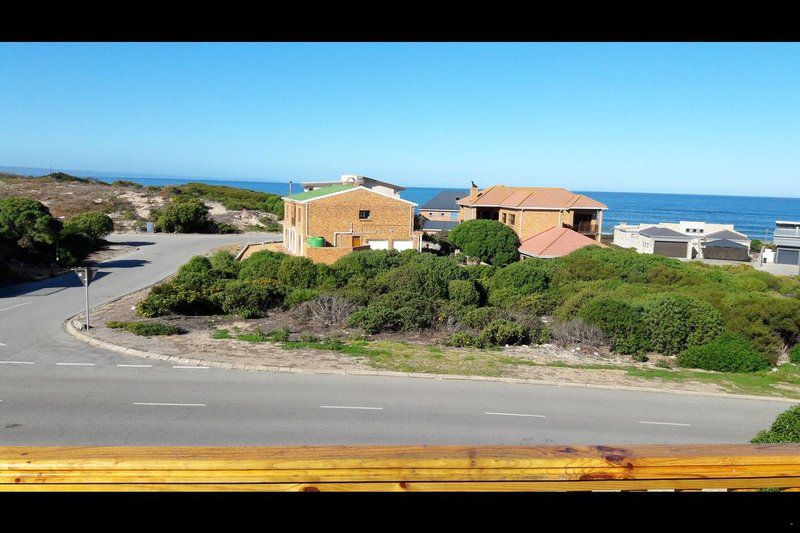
[401,468]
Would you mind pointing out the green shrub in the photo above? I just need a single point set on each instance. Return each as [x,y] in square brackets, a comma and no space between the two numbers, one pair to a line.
[185,216]
[621,322]
[463,292]
[423,274]
[366,264]
[95,225]
[477,317]
[794,354]
[147,329]
[395,311]
[297,272]
[675,323]
[503,332]
[249,298]
[298,296]
[726,353]
[28,229]
[173,298]
[525,277]
[463,339]
[489,240]
[224,264]
[223,228]
[279,335]
[785,428]
[263,264]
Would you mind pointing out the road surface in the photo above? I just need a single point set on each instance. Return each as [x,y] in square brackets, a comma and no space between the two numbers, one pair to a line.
[55,389]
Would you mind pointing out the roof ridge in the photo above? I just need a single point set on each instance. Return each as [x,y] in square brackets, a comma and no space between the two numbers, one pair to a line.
[559,234]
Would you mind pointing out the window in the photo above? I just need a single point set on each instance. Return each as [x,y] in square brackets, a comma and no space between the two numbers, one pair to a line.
[504,218]
[454,215]
[363,214]
[512,219]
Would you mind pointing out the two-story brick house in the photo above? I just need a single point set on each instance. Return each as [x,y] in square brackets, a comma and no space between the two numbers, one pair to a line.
[531,210]
[329,222]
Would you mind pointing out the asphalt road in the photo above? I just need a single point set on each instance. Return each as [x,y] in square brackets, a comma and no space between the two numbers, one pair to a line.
[55,389]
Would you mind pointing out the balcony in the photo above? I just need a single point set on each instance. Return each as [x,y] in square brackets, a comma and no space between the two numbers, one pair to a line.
[586,227]
[788,232]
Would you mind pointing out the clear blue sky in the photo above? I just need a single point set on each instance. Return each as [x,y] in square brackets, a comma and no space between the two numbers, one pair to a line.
[692,117]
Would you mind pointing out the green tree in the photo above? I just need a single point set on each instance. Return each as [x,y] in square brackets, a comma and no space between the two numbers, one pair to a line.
[92,224]
[28,228]
[185,216]
[488,240]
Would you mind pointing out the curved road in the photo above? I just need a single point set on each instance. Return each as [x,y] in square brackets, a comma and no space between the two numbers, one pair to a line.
[55,389]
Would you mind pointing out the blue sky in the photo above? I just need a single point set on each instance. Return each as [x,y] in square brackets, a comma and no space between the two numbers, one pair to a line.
[707,118]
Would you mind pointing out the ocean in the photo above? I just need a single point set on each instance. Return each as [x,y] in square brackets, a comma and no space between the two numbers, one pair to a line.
[754,216]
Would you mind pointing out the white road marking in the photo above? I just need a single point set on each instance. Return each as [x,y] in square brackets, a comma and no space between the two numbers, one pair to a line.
[17,362]
[171,404]
[515,414]
[3,344]
[14,306]
[136,366]
[350,407]
[190,367]
[75,364]
[664,423]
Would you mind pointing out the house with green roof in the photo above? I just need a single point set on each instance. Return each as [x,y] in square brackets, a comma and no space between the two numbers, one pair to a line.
[330,221]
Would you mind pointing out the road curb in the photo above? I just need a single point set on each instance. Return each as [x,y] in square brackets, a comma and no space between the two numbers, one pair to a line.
[70,328]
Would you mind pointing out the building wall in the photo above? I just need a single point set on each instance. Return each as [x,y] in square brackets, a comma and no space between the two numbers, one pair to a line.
[437,215]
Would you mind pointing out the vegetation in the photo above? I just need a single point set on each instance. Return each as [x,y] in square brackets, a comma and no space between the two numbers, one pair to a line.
[488,240]
[147,329]
[185,216]
[785,428]
[231,197]
[726,353]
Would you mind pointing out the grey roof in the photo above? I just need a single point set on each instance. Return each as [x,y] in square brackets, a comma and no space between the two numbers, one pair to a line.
[663,233]
[445,201]
[439,225]
[727,234]
[725,243]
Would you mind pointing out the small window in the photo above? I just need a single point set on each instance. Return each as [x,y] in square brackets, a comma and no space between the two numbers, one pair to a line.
[454,216]
[363,214]
[504,218]
[512,219]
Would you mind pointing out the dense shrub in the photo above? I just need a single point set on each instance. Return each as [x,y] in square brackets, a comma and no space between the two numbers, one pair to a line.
[794,354]
[28,228]
[462,339]
[525,277]
[298,296]
[147,329]
[263,264]
[726,353]
[366,264]
[185,216]
[503,332]
[249,298]
[489,240]
[95,225]
[622,322]
[476,317]
[395,311]
[770,323]
[426,274]
[174,298]
[297,272]
[675,323]
[785,428]
[224,264]
[463,292]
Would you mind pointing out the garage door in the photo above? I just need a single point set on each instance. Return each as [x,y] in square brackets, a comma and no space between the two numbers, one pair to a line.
[788,256]
[378,245]
[403,245]
[670,249]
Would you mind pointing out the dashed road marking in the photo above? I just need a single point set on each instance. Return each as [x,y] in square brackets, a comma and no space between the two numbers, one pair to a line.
[135,366]
[75,364]
[515,414]
[18,362]
[170,404]
[664,423]
[190,367]
[350,407]
[14,306]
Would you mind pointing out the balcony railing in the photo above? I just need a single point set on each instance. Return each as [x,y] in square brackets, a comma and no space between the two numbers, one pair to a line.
[401,468]
[787,232]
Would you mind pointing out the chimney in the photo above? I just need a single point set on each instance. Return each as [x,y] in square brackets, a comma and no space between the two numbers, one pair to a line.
[473,190]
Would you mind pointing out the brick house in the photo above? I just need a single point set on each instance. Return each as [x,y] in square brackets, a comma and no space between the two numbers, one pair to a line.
[326,223]
[532,210]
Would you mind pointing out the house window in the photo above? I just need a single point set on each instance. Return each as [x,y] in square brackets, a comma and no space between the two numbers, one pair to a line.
[512,219]
[504,218]
[363,214]
[454,215]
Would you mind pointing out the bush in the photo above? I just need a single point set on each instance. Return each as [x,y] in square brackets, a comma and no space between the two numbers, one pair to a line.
[476,317]
[73,247]
[249,298]
[299,296]
[224,264]
[675,323]
[463,292]
[488,240]
[522,278]
[263,264]
[185,216]
[423,274]
[297,272]
[785,428]
[223,227]
[147,329]
[95,225]
[395,311]
[621,322]
[462,339]
[327,309]
[366,264]
[726,353]
[279,335]
[28,228]
[794,354]
[576,331]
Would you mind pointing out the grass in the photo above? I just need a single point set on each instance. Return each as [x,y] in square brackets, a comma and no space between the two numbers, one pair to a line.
[146,329]
[221,334]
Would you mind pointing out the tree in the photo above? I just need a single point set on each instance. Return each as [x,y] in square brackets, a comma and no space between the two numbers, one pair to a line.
[185,216]
[28,227]
[488,240]
[92,224]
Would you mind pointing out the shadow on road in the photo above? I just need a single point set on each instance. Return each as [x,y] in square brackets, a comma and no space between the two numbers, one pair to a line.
[46,287]
[123,263]
[133,243]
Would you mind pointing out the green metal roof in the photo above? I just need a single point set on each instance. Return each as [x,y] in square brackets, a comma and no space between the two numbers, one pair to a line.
[322,191]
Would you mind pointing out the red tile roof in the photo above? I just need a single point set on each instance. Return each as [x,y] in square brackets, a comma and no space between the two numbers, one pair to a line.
[556,242]
[530,198]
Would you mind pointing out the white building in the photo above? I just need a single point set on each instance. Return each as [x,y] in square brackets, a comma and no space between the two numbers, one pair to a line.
[685,239]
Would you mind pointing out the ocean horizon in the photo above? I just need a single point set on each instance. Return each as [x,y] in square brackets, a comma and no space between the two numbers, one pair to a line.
[754,216]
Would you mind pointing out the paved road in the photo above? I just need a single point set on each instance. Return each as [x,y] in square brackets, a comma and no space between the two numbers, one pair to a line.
[57,390]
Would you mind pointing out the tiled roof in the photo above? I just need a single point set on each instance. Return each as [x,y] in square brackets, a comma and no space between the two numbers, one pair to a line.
[725,243]
[316,193]
[439,225]
[655,231]
[556,242]
[727,234]
[444,201]
[531,198]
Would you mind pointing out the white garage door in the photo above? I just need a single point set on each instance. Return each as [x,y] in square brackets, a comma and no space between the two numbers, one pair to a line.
[378,245]
[403,245]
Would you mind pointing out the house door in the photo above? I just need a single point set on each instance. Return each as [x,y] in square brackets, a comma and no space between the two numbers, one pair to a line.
[356,240]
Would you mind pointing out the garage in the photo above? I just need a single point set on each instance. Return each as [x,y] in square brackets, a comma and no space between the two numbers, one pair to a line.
[403,245]
[378,245]
[788,256]
[726,250]
[670,249]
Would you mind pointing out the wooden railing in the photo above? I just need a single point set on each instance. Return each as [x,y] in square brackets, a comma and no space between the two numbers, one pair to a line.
[401,468]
